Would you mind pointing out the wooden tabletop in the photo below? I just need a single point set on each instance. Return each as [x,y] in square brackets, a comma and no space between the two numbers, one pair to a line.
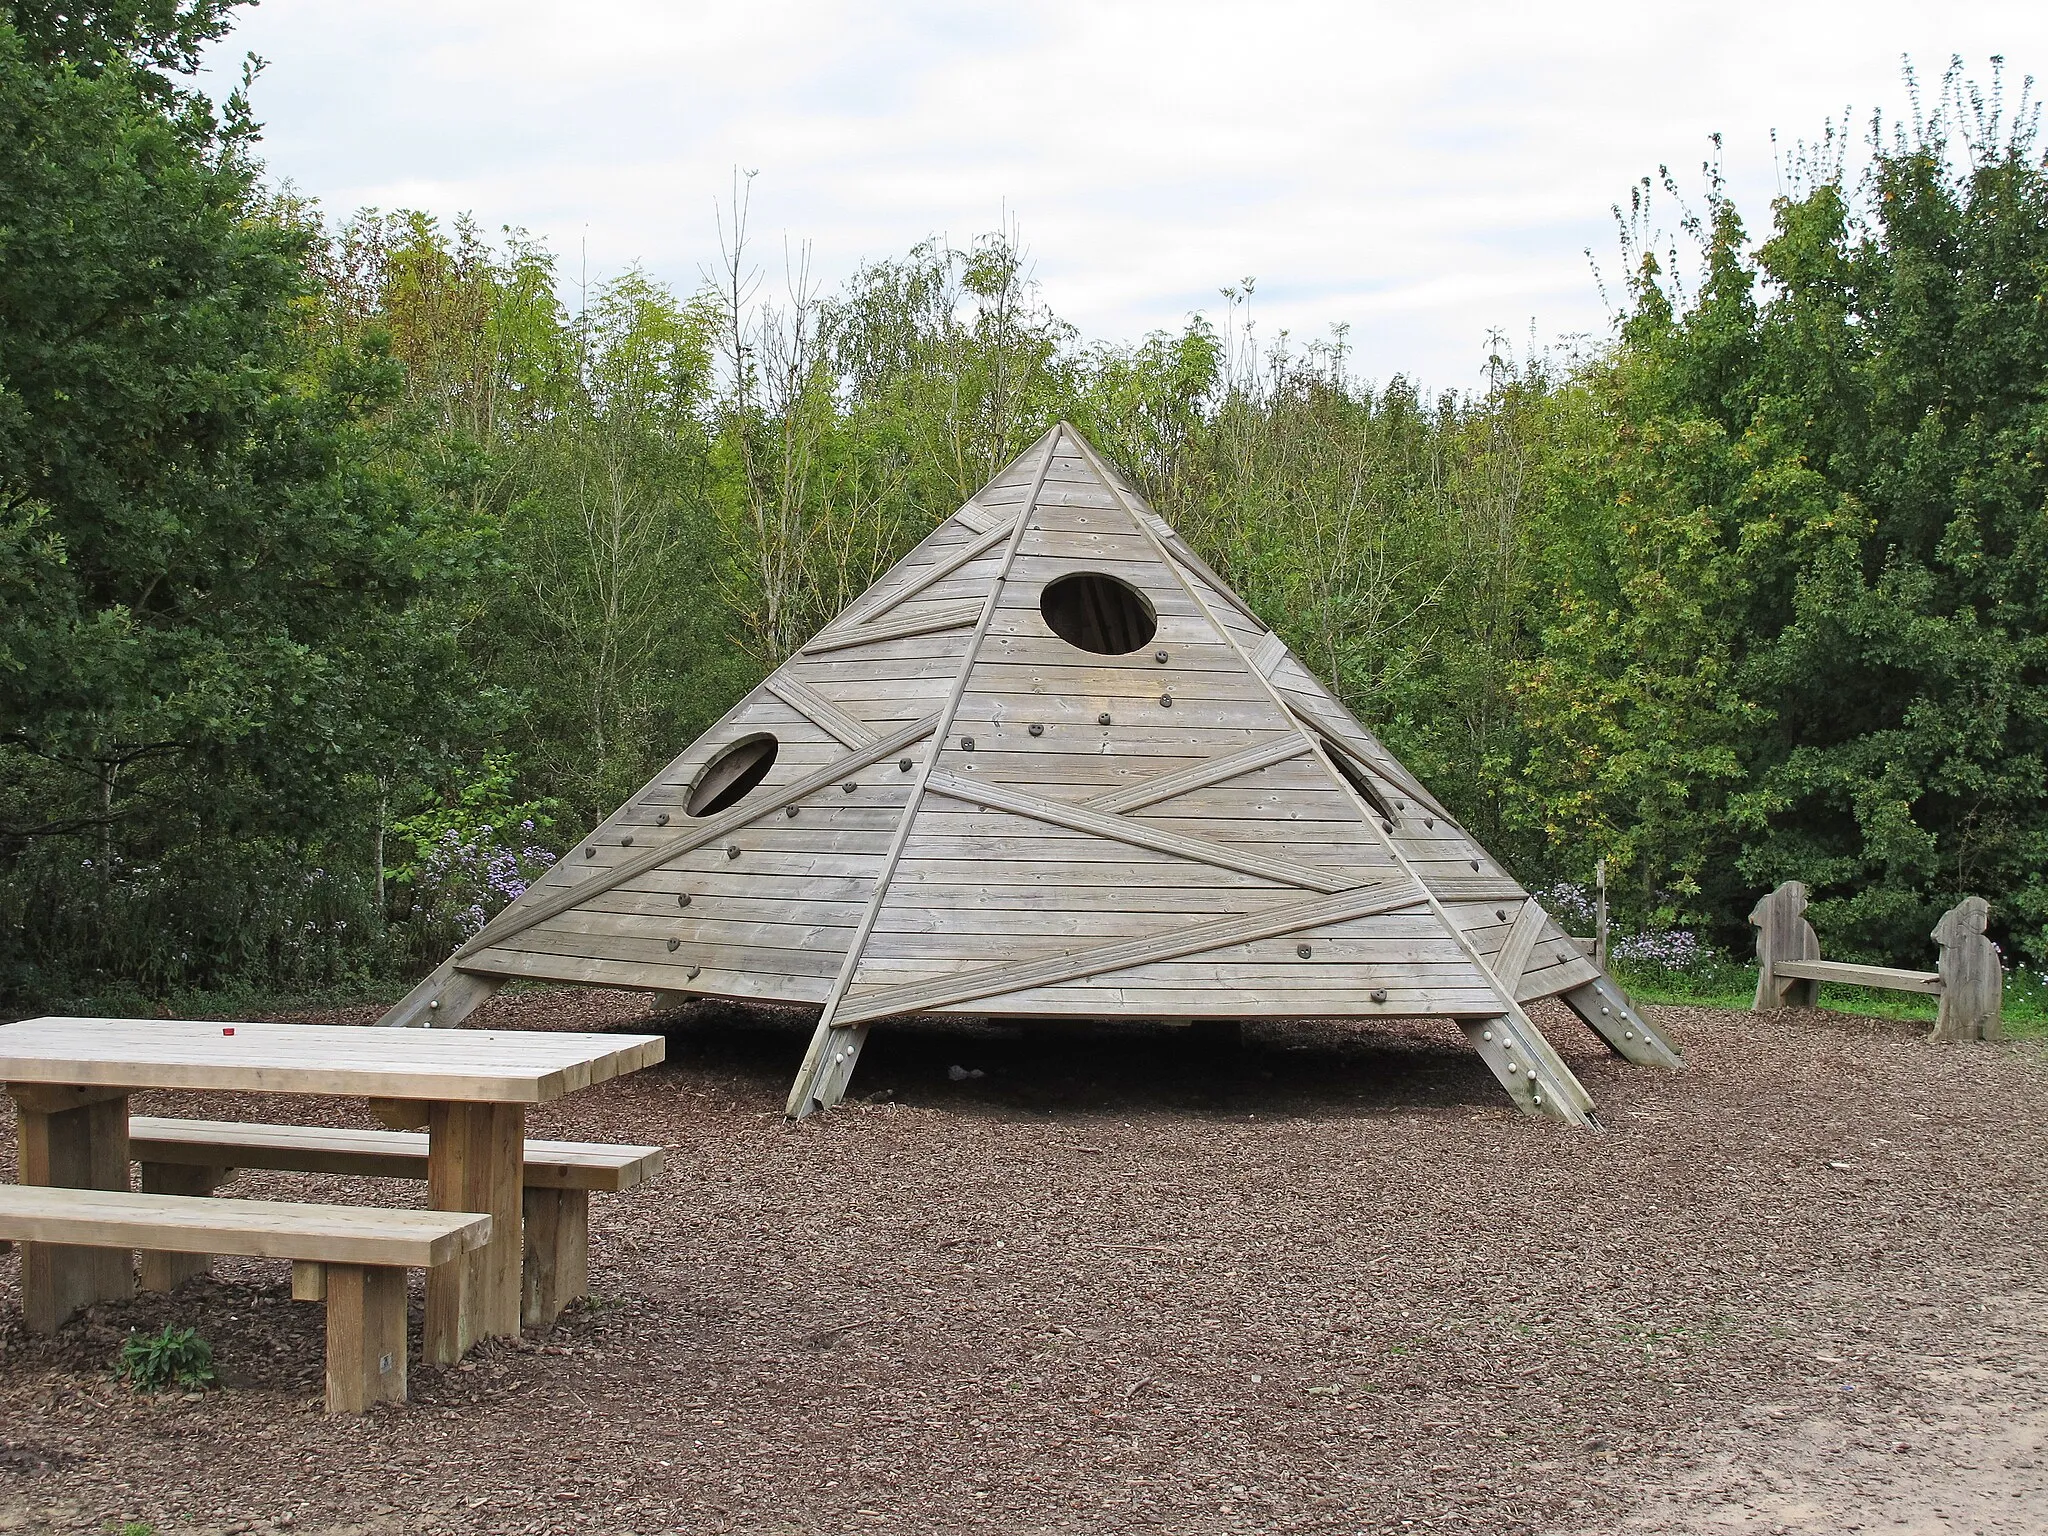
[471,1065]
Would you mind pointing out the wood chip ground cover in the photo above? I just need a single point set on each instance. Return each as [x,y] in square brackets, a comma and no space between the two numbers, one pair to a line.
[1327,1282]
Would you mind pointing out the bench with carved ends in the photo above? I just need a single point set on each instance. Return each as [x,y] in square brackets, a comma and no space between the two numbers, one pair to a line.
[1970,980]
[353,1258]
[195,1157]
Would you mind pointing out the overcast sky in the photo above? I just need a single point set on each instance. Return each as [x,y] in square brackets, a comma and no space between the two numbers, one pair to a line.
[1424,173]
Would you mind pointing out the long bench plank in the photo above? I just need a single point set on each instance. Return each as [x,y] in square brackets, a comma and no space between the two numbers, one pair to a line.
[1859,975]
[266,1229]
[372,1154]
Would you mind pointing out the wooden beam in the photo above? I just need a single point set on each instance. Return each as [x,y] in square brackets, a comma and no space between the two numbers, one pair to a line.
[835,1048]
[990,534]
[1200,850]
[991,981]
[1848,975]
[820,711]
[950,616]
[1523,1062]
[978,517]
[519,917]
[443,1000]
[1608,1012]
[1135,797]
[1269,653]
[1513,959]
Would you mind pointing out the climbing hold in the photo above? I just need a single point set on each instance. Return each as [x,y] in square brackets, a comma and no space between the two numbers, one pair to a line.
[849,786]
[674,945]
[1429,821]
[1386,826]
[625,842]
[1500,914]
[789,810]
[1166,701]
[1379,994]
[903,765]
[661,820]
[1038,730]
[683,900]
[693,973]
[1303,950]
[589,853]
[966,743]
[1102,719]
[1160,657]
[732,850]
[1475,866]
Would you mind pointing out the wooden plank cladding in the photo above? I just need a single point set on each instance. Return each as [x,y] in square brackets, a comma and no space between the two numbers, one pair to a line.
[1049,762]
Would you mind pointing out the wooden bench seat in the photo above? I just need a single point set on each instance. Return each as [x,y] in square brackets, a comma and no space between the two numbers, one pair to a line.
[195,1157]
[358,1255]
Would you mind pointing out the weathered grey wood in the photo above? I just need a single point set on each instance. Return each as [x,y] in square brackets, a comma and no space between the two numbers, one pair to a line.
[1139,834]
[950,616]
[521,915]
[1525,1065]
[1513,958]
[1115,957]
[987,538]
[1973,980]
[1269,653]
[820,711]
[1135,797]
[1607,1010]
[445,999]
[1783,934]
[1846,974]
[834,1049]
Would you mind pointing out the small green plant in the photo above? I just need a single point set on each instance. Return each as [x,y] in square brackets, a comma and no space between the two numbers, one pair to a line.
[129,1528]
[177,1357]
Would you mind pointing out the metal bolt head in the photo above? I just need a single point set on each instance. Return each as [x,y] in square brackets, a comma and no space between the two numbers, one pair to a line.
[732,850]
[1038,730]
[1486,1034]
[1379,994]
[1102,719]
[1303,950]
[1537,1100]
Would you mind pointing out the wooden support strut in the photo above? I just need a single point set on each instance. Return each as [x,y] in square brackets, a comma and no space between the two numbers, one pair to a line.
[1609,1014]
[1560,1094]
[835,1048]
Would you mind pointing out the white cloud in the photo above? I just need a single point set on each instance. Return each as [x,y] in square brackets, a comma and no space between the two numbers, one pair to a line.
[1423,173]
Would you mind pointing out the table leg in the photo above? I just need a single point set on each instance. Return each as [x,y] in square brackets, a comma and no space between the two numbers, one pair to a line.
[476,1161]
[72,1139]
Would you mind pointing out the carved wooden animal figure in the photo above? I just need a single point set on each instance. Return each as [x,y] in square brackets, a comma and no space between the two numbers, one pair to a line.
[1783,933]
[1972,979]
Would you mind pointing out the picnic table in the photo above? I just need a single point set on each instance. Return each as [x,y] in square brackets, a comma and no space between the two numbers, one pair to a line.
[71,1079]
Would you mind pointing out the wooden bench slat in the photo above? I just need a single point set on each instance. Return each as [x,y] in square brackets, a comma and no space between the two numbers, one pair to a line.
[1860,975]
[273,1229]
[373,1154]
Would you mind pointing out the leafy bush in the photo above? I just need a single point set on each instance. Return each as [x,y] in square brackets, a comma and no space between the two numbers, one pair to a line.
[176,1359]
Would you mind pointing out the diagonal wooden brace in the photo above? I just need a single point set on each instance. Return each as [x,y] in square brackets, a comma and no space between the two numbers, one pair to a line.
[1535,1077]
[1607,1010]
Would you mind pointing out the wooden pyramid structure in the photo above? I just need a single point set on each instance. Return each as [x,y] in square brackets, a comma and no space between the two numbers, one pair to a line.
[1049,767]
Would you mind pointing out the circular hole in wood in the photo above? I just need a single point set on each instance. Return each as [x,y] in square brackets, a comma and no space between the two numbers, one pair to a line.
[1098,613]
[732,775]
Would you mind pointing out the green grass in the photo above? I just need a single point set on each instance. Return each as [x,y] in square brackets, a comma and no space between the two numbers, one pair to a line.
[1727,985]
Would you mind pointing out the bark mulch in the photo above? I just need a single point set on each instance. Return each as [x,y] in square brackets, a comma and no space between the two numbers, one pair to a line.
[1326,1282]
